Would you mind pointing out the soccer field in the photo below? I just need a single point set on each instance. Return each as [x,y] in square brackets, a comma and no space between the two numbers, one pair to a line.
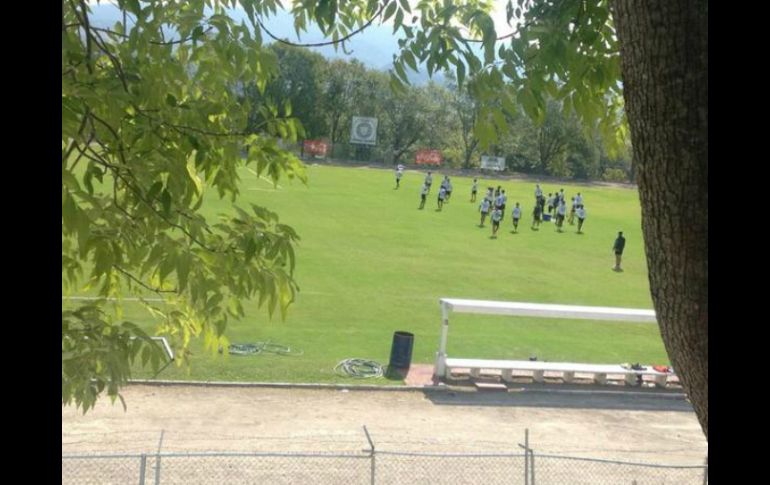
[370,263]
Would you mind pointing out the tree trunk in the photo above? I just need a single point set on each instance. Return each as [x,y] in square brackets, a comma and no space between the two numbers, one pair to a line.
[664,61]
[469,149]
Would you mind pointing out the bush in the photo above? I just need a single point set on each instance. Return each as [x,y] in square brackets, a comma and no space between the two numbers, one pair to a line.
[614,175]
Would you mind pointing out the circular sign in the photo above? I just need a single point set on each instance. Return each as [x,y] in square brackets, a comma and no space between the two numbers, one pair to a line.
[364,130]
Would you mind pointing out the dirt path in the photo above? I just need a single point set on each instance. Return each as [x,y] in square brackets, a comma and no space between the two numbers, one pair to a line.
[194,418]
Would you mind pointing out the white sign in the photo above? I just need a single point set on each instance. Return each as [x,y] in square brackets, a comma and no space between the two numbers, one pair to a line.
[492,163]
[364,131]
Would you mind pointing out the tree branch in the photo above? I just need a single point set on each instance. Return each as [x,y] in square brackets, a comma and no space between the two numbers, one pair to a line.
[526,25]
[68,151]
[115,61]
[80,154]
[181,128]
[139,193]
[122,209]
[321,44]
[140,282]
[97,40]
[86,26]
[154,42]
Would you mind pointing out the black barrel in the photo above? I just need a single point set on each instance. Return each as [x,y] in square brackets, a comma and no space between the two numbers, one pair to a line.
[401,351]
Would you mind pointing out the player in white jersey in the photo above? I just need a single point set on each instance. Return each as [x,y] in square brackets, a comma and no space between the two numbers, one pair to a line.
[428,181]
[497,216]
[581,217]
[489,195]
[561,211]
[484,209]
[423,195]
[441,197]
[571,218]
[502,200]
[516,216]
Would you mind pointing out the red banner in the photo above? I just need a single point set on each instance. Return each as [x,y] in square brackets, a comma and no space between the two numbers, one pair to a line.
[429,157]
[316,147]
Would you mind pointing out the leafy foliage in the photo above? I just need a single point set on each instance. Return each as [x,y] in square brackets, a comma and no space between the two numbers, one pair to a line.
[142,144]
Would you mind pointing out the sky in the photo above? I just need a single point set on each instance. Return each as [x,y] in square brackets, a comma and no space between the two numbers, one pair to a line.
[374,47]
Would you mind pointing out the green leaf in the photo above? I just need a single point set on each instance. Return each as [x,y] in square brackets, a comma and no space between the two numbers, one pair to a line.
[396,85]
[167,265]
[460,73]
[499,120]
[133,7]
[509,106]
[389,11]
[405,5]
[69,211]
[401,73]
[154,191]
[409,58]
[171,100]
[398,20]
[251,249]
[489,50]
[183,270]
[165,200]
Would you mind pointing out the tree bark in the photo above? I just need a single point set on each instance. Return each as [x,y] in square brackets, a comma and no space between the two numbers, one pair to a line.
[664,62]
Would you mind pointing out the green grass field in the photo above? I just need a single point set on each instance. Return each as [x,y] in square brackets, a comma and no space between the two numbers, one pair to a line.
[370,263]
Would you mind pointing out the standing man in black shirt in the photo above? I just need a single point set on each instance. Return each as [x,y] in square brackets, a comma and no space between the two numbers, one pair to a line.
[620,244]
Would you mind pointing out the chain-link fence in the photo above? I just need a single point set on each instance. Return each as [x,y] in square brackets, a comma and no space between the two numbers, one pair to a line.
[101,469]
[278,468]
[552,470]
[370,466]
[397,468]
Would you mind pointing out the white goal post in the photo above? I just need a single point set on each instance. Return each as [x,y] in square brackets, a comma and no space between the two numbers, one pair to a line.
[539,310]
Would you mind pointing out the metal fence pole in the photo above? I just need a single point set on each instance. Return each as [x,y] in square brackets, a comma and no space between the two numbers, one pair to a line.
[142,468]
[371,452]
[157,458]
[526,455]
[532,466]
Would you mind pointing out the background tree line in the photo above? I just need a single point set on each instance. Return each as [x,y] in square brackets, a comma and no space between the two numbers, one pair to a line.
[324,94]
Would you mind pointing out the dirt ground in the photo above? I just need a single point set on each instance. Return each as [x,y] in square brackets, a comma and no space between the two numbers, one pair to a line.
[615,425]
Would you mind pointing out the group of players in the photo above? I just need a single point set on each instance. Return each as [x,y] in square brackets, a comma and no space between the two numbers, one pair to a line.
[494,202]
